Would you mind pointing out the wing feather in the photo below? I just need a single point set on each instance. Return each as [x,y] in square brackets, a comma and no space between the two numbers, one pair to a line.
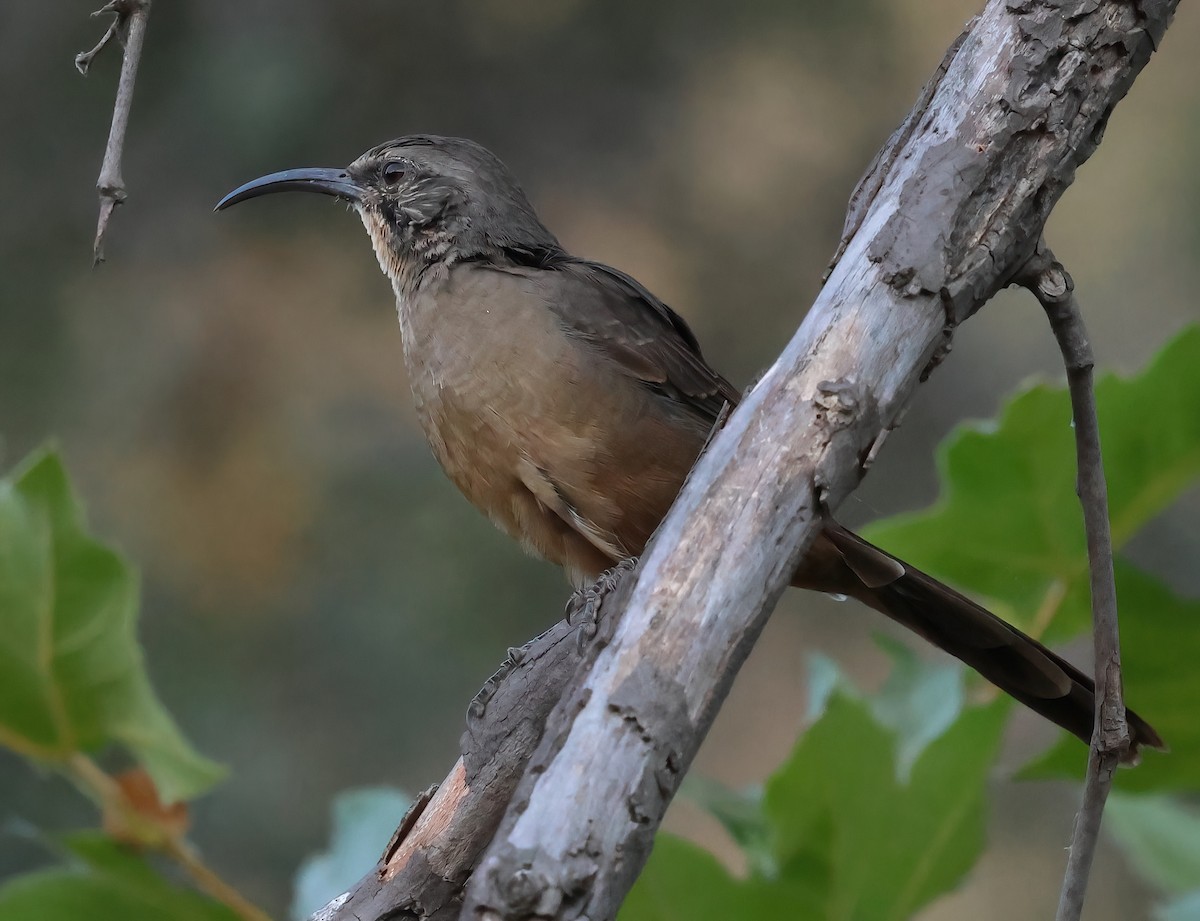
[618,316]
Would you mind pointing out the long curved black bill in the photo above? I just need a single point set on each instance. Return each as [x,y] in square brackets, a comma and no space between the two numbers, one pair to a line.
[336,182]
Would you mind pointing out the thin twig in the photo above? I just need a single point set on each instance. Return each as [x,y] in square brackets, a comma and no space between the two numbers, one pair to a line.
[83,60]
[1052,286]
[128,25]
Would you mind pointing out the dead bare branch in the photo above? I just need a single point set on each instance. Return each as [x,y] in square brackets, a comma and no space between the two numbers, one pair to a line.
[129,27]
[1049,282]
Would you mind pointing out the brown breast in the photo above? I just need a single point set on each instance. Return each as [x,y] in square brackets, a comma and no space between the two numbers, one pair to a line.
[546,436]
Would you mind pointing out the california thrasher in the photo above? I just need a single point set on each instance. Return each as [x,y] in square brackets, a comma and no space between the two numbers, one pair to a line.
[568,403]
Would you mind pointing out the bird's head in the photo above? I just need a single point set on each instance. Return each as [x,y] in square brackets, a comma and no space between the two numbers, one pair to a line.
[424,200]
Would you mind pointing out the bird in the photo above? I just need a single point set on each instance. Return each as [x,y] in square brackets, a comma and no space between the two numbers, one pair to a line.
[568,403]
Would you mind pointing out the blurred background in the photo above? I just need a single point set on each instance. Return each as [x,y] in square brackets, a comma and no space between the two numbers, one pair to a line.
[319,603]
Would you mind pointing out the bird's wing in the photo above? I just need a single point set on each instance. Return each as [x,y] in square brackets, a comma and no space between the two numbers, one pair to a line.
[644,336]
[616,315]
[553,496]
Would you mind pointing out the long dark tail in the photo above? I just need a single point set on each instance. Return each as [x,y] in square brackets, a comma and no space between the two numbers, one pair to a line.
[1016,663]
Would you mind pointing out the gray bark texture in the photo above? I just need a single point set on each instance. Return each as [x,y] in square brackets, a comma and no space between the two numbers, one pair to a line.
[948,213]
[423,870]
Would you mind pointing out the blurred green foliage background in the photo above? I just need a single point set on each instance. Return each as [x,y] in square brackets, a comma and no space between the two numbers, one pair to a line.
[320,604]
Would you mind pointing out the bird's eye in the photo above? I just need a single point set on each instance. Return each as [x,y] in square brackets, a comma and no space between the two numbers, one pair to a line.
[394,172]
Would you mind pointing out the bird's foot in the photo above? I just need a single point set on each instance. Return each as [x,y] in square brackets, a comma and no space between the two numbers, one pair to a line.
[586,606]
[516,655]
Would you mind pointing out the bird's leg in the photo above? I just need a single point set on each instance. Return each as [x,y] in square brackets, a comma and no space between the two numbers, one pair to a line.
[585,607]
[516,655]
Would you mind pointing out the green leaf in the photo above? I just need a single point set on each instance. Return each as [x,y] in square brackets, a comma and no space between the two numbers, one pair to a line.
[849,839]
[825,677]
[1008,526]
[103,882]
[740,812]
[682,882]
[1161,837]
[1160,640]
[363,823]
[863,845]
[71,671]
[920,701]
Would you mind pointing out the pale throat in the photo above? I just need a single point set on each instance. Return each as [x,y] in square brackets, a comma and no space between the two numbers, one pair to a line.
[405,267]
[390,262]
[406,272]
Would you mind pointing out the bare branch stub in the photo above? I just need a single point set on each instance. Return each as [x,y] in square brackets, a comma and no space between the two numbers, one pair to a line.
[129,27]
[83,60]
[1049,282]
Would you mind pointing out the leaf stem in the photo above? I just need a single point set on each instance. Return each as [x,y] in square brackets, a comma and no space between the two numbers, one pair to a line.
[27,749]
[1051,603]
[103,789]
[208,881]
[98,785]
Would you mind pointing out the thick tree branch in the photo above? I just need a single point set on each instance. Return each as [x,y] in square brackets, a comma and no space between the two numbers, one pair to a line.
[958,207]
[129,26]
[949,212]
[1055,290]
[425,867]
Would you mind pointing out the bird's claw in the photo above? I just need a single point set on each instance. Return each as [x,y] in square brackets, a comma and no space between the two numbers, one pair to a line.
[586,606]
